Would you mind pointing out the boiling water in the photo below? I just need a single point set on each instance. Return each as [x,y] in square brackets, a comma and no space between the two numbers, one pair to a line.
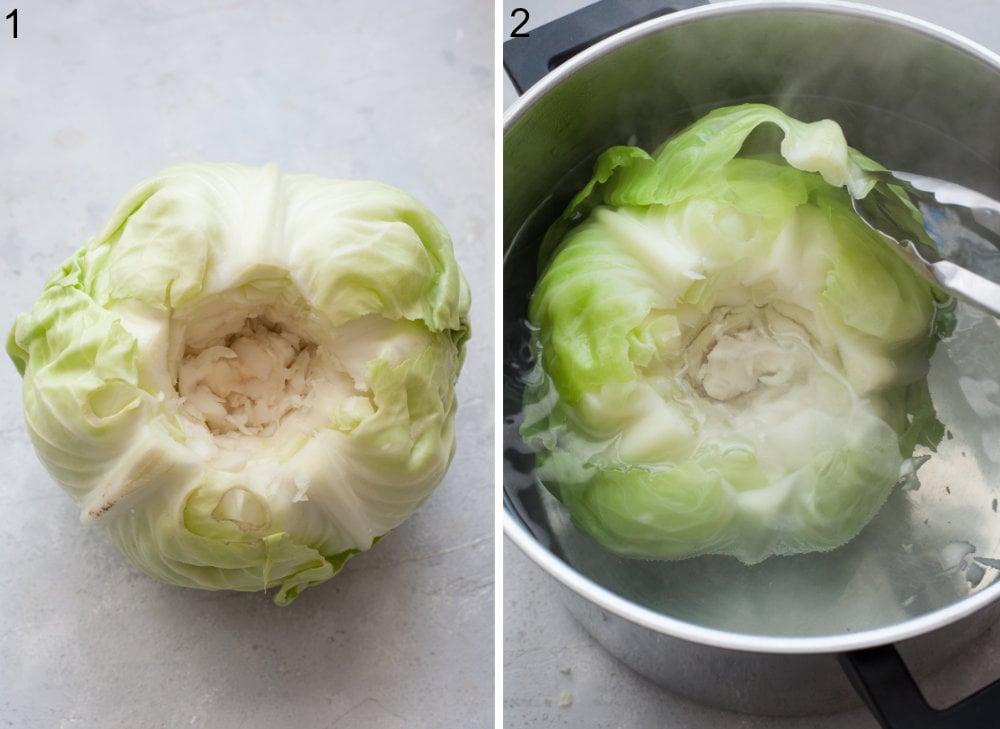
[934,542]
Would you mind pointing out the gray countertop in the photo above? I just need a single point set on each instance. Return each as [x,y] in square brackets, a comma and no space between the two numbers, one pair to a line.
[97,96]
[554,673]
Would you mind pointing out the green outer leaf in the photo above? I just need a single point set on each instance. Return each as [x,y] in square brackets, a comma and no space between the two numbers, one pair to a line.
[688,164]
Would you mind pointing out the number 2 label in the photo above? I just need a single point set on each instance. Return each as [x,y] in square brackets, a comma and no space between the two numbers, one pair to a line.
[523,13]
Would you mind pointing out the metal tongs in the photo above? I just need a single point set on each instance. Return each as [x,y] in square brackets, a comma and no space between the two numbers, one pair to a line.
[949,233]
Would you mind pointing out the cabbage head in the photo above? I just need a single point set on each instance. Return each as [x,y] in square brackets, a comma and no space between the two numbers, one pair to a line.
[727,359]
[247,376]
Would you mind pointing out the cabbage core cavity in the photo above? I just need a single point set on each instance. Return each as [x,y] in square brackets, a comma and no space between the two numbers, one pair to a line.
[248,381]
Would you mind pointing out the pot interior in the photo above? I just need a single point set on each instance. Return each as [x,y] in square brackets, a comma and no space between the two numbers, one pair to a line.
[912,97]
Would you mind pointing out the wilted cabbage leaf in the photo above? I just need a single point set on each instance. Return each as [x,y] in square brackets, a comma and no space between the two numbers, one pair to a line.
[728,360]
[246,377]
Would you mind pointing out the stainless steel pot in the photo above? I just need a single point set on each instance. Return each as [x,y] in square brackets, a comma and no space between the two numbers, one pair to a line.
[792,635]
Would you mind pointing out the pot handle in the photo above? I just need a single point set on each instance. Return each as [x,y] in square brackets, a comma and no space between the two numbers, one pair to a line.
[887,687]
[529,55]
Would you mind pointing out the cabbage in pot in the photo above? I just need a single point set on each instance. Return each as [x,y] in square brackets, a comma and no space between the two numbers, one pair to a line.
[247,377]
[728,360]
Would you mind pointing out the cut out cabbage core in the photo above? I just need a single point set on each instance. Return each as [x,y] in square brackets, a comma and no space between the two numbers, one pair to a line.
[247,377]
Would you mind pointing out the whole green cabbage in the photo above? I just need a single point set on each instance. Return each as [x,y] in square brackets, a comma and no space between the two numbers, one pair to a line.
[247,377]
[728,360]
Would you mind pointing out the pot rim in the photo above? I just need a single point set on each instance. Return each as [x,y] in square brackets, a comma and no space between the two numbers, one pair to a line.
[519,535]
[729,7]
[607,600]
